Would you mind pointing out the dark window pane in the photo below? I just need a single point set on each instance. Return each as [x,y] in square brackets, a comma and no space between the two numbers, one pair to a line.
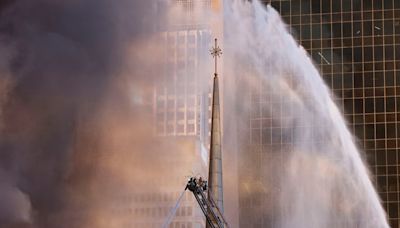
[389,66]
[397,29]
[369,131]
[369,92]
[326,31]
[398,133]
[347,29]
[393,207]
[358,67]
[347,16]
[316,31]
[285,7]
[367,15]
[387,4]
[346,5]
[336,17]
[356,16]
[369,66]
[295,7]
[316,6]
[391,170]
[359,131]
[348,80]
[381,157]
[390,104]
[391,155]
[367,28]
[380,104]
[388,14]
[357,52]
[357,5]
[391,133]
[337,29]
[357,29]
[357,41]
[379,92]
[368,54]
[358,80]
[397,50]
[388,40]
[367,4]
[392,184]
[368,79]
[306,19]
[348,42]
[377,4]
[336,6]
[358,105]
[337,81]
[389,78]
[389,91]
[389,52]
[369,105]
[378,15]
[326,8]
[398,104]
[316,18]
[378,27]
[397,76]
[305,7]
[348,53]
[295,19]
[379,79]
[378,53]
[348,105]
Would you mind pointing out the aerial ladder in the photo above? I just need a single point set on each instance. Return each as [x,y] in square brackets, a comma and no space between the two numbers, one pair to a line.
[213,215]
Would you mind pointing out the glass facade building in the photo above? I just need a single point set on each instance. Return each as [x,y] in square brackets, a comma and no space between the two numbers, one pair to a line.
[356,45]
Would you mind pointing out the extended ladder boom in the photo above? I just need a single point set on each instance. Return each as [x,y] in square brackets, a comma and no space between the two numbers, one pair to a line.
[213,215]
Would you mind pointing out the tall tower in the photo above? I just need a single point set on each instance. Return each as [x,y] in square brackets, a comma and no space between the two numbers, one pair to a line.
[215,165]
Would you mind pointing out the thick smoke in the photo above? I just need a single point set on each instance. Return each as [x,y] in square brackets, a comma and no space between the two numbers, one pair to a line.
[62,63]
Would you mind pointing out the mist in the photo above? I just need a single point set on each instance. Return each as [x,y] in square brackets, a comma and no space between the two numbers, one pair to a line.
[298,163]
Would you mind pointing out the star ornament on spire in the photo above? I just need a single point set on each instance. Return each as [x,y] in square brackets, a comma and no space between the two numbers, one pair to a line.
[216,52]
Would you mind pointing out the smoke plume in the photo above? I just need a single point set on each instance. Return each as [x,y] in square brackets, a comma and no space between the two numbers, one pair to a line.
[62,64]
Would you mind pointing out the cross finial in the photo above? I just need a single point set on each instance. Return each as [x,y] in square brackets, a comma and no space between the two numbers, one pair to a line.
[216,52]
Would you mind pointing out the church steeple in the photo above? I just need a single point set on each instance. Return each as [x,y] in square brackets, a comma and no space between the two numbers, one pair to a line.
[215,165]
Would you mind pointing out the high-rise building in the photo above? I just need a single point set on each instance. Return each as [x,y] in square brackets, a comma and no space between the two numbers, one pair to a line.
[356,45]
[182,112]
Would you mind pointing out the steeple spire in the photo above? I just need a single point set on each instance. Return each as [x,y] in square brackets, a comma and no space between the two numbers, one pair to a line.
[215,165]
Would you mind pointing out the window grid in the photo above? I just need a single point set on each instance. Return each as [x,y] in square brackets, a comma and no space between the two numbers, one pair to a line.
[356,45]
